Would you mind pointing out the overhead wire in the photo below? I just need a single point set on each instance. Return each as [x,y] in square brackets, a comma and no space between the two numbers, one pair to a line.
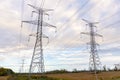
[107,18]
[21,26]
[77,11]
[111,41]
[110,25]
[111,47]
[42,3]
[20,35]
[57,4]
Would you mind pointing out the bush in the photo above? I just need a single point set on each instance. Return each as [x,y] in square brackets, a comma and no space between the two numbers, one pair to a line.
[5,72]
[32,78]
[57,71]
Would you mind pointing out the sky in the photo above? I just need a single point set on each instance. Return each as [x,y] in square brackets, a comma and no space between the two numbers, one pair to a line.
[67,48]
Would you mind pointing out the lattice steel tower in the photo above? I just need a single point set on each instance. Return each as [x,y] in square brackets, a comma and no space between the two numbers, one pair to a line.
[22,66]
[94,61]
[37,62]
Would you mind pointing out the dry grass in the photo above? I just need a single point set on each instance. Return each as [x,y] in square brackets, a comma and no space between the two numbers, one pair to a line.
[3,77]
[86,76]
[82,76]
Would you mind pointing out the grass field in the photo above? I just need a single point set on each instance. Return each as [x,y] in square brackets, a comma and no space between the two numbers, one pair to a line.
[3,78]
[83,76]
[88,76]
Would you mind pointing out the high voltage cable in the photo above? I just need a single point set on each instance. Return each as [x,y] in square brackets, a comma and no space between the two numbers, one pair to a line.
[75,14]
[68,41]
[101,20]
[91,8]
[72,17]
[77,11]
[112,42]
[57,4]
[110,25]
[20,35]
[26,65]
[72,40]
[82,44]
[42,3]
[106,18]
[110,48]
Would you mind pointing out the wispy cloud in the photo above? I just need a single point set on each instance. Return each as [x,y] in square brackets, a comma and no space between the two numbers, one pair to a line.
[68,34]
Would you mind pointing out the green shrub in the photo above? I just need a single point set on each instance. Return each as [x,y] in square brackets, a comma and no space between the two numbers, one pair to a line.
[32,78]
[5,72]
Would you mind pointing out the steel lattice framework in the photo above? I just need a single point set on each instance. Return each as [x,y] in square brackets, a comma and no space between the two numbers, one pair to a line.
[94,61]
[37,62]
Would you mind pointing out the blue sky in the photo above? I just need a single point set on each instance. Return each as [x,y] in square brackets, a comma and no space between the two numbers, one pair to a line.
[67,48]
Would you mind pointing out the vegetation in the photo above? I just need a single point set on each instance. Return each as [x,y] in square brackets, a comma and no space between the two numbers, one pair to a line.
[57,71]
[33,78]
[109,75]
[113,74]
[5,72]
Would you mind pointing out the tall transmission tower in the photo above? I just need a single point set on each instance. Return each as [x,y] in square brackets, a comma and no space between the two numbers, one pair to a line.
[94,61]
[22,66]
[37,62]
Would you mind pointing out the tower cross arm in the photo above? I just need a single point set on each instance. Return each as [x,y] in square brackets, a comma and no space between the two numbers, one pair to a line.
[45,36]
[90,22]
[35,22]
[86,33]
[40,9]
[96,34]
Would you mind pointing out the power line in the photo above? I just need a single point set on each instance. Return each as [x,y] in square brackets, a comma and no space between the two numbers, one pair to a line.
[106,18]
[70,41]
[110,25]
[57,4]
[75,14]
[91,8]
[77,11]
[110,48]
[42,3]
[112,41]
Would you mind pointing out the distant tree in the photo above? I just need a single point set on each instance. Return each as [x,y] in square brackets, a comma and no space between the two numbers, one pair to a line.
[90,68]
[104,68]
[5,72]
[109,69]
[58,71]
[75,70]
[115,69]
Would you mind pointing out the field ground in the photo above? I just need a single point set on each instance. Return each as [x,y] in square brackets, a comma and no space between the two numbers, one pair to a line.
[83,76]
[3,78]
[88,76]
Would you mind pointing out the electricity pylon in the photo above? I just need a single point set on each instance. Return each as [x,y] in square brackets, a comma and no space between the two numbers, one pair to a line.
[94,62]
[37,62]
[22,66]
